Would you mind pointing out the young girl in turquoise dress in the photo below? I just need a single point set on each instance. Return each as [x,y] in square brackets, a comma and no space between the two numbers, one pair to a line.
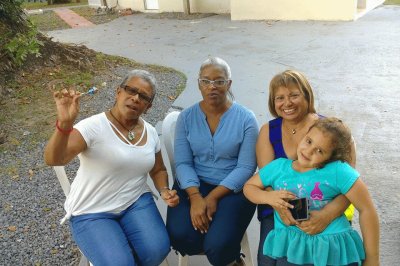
[320,173]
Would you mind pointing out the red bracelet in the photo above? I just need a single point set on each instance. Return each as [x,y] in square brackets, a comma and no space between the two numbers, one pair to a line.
[64,131]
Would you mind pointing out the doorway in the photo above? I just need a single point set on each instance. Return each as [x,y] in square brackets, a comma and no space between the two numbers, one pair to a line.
[151,4]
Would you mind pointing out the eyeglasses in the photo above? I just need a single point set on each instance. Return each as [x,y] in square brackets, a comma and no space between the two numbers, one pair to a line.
[134,91]
[216,83]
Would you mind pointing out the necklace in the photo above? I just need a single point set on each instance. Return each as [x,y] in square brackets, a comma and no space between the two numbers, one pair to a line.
[294,130]
[131,133]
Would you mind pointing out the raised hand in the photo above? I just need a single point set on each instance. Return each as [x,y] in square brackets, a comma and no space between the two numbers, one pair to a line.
[67,104]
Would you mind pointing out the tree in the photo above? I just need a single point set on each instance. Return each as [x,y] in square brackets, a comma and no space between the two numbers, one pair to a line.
[18,35]
[18,40]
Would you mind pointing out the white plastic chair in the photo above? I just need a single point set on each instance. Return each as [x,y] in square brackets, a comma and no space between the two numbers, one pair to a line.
[168,138]
[66,187]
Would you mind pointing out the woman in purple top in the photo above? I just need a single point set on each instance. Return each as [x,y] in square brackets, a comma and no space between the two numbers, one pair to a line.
[214,155]
[291,102]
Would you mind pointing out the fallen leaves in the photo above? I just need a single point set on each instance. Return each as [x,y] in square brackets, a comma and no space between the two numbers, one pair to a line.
[12,228]
[24,100]
[7,207]
[14,141]
[54,251]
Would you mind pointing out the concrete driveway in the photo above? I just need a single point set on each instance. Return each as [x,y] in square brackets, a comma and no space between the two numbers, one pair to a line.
[354,68]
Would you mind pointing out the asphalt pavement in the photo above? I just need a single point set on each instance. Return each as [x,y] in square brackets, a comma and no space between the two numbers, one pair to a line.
[354,68]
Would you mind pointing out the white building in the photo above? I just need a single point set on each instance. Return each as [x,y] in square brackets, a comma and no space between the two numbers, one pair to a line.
[257,9]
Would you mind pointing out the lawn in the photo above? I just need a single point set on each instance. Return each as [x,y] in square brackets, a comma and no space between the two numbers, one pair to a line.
[95,17]
[48,21]
[392,2]
[43,5]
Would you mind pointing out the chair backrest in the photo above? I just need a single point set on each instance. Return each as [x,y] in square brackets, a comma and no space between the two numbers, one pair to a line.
[168,137]
[66,187]
[63,179]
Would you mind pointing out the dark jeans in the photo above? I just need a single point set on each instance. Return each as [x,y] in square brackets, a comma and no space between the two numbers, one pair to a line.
[221,244]
[266,225]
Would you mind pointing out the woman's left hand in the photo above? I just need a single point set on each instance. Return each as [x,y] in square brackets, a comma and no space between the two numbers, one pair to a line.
[170,197]
[316,224]
[212,204]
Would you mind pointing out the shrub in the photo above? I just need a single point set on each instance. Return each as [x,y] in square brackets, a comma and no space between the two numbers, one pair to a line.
[18,35]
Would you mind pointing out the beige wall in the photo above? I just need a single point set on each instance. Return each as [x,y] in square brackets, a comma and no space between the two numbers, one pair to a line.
[293,9]
[265,9]
[170,5]
[137,5]
[196,6]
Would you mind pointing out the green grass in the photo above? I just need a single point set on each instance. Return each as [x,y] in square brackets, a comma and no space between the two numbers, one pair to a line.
[48,21]
[181,86]
[43,5]
[92,15]
[392,2]
[81,78]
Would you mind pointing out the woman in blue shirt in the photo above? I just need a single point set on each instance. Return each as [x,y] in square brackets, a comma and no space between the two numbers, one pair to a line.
[214,155]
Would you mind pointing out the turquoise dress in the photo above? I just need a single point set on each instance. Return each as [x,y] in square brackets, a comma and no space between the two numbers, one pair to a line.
[339,243]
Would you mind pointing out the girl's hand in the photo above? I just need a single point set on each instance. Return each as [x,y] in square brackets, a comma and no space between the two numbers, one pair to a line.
[316,224]
[279,202]
[67,103]
[170,197]
[278,199]
[198,213]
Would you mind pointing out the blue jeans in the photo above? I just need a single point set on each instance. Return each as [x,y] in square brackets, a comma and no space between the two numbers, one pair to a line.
[136,236]
[221,243]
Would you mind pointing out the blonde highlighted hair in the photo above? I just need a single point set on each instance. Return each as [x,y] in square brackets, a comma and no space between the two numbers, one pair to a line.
[287,79]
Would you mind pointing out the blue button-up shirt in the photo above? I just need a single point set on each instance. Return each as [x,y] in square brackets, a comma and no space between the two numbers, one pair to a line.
[226,158]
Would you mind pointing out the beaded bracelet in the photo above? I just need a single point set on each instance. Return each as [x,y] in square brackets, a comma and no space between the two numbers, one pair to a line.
[64,131]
